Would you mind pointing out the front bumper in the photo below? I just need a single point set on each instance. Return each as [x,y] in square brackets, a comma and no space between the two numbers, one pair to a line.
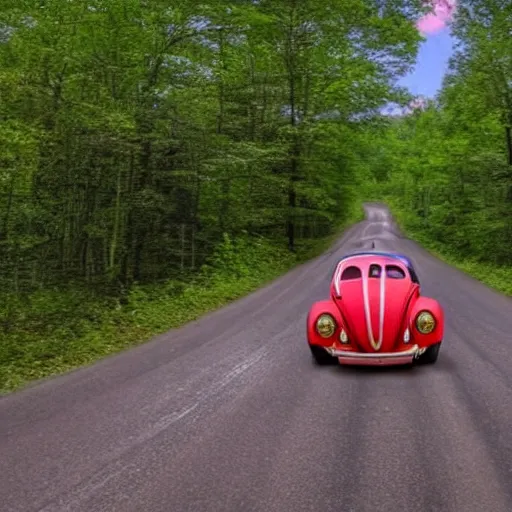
[376,359]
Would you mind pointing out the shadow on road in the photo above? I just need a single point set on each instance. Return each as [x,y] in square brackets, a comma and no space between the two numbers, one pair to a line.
[445,363]
[380,370]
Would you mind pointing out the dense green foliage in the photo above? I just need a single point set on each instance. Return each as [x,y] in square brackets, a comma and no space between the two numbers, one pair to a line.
[72,327]
[135,135]
[447,168]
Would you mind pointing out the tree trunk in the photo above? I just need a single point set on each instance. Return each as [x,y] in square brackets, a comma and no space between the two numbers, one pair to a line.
[509,144]
[295,153]
[115,231]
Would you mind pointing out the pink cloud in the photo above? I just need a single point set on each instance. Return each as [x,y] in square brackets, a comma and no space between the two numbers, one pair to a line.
[436,21]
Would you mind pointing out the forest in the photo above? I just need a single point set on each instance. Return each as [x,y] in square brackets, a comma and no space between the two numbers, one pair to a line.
[158,159]
[446,169]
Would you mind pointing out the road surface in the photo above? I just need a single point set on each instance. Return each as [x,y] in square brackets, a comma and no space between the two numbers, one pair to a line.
[230,414]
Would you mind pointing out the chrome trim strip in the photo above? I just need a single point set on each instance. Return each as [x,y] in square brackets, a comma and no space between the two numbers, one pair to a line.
[337,278]
[415,351]
[367,314]
[382,304]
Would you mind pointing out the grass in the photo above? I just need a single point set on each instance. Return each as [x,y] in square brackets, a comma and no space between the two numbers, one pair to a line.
[55,331]
[496,277]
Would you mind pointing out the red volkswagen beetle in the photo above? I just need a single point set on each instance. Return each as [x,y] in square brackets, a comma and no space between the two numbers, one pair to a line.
[376,315]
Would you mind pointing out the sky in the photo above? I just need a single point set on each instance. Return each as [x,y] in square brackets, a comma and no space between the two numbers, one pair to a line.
[426,78]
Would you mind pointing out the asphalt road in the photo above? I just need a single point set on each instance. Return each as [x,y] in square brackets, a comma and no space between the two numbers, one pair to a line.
[230,414]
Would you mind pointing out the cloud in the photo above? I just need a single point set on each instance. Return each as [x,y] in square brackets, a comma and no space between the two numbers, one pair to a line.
[436,21]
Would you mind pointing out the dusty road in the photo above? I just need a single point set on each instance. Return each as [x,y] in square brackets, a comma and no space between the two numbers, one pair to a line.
[230,414]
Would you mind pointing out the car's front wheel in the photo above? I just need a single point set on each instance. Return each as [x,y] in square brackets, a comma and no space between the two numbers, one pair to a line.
[321,357]
[430,355]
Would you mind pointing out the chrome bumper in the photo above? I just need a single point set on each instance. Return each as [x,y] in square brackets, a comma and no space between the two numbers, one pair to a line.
[385,358]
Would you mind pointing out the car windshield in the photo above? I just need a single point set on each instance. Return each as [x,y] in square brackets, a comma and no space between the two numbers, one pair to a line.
[351,273]
[392,271]
[375,272]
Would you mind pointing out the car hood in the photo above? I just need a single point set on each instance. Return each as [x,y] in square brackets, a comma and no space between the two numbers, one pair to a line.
[375,311]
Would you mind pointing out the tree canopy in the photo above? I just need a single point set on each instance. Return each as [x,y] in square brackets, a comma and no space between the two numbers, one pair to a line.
[135,133]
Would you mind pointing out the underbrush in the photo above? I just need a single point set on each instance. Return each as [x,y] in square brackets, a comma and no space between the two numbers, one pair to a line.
[497,277]
[53,331]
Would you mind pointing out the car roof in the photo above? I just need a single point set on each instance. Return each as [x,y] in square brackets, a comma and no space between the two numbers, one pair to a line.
[401,257]
[384,254]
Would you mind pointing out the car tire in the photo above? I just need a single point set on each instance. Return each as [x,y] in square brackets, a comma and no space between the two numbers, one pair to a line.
[430,355]
[321,357]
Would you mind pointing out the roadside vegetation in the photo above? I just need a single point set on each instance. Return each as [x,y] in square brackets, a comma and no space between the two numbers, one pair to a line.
[61,329]
[485,270]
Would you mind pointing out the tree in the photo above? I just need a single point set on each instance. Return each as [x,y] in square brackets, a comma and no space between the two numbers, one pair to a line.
[135,134]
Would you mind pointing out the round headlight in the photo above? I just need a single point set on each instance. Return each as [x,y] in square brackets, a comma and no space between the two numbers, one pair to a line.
[325,325]
[425,322]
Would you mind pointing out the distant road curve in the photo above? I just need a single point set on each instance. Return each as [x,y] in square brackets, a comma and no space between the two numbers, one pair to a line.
[229,413]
